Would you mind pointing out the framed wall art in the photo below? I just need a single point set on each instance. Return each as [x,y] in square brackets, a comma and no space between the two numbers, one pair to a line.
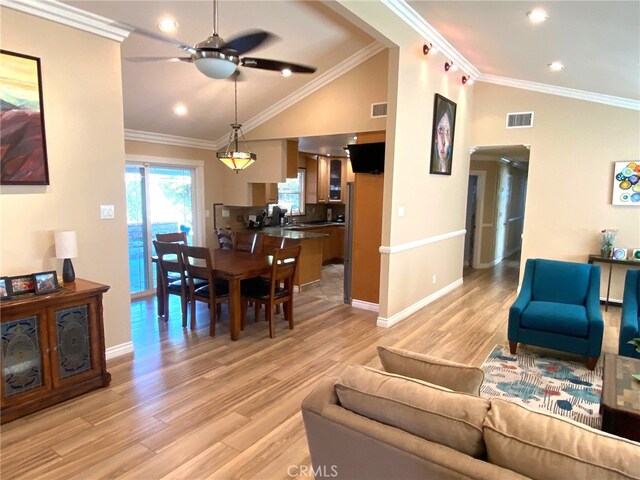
[5,288]
[23,158]
[444,126]
[626,184]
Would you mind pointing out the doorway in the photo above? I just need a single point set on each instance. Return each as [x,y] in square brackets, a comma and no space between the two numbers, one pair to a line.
[160,199]
[498,198]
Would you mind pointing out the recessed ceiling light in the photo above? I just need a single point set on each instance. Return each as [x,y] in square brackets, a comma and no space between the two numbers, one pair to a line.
[555,66]
[167,25]
[538,15]
[285,72]
[180,110]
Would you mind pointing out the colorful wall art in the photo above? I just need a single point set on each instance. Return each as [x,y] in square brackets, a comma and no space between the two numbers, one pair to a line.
[626,183]
[23,156]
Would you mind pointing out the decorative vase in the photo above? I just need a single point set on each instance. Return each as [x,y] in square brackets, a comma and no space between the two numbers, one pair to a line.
[605,252]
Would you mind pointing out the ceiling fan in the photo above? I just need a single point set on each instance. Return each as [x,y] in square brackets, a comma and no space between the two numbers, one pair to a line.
[218,59]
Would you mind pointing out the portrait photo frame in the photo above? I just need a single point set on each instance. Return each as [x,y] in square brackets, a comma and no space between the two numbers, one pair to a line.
[46,282]
[442,135]
[23,160]
[6,292]
[22,284]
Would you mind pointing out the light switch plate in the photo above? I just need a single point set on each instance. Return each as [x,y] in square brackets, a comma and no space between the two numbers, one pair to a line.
[107,211]
[225,213]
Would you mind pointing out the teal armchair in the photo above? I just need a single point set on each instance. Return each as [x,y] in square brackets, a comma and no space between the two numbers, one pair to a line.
[558,308]
[630,320]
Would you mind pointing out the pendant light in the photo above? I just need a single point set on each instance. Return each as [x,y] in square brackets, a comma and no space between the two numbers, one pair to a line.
[234,158]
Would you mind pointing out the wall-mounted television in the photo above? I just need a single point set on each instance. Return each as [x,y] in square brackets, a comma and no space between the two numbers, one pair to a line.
[367,157]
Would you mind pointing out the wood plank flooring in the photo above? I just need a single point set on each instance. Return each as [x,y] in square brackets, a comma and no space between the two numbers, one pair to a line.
[188,406]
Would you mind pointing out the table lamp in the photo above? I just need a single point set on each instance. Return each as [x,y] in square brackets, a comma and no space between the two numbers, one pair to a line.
[67,248]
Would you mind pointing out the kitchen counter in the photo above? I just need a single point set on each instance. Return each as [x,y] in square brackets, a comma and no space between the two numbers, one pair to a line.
[286,232]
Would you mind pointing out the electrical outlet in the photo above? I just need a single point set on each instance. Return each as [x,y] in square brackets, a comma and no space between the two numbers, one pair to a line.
[434,279]
[225,213]
[107,211]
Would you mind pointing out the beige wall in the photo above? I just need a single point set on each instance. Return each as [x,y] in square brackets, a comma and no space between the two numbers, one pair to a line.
[573,146]
[433,204]
[82,92]
[213,173]
[342,106]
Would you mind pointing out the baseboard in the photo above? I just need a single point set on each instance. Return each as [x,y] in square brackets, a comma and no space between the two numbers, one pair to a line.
[392,320]
[372,307]
[490,264]
[119,350]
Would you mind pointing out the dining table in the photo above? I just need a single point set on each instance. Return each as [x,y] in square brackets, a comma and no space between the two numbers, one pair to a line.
[233,266]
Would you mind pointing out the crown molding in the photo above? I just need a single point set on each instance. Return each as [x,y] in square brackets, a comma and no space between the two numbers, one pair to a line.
[150,137]
[429,33]
[71,16]
[562,91]
[317,83]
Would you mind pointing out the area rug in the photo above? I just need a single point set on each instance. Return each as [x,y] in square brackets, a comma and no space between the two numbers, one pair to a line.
[543,382]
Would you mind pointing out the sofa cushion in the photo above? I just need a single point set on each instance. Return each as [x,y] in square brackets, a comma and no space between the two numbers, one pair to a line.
[455,376]
[556,318]
[431,412]
[561,282]
[542,446]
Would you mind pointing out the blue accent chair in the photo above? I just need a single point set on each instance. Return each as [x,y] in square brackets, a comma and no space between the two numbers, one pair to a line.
[558,308]
[630,320]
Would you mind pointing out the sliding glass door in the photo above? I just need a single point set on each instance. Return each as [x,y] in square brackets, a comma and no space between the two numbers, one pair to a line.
[160,199]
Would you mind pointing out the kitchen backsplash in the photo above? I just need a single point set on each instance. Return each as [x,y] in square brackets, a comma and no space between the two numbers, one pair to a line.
[239,216]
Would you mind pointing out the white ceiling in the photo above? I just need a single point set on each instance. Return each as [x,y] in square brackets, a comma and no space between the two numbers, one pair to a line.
[598,42]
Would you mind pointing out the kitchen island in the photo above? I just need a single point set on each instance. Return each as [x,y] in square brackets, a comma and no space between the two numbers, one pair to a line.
[310,262]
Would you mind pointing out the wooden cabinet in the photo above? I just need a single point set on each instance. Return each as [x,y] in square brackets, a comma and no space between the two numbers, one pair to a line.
[264,194]
[332,244]
[326,179]
[292,159]
[52,348]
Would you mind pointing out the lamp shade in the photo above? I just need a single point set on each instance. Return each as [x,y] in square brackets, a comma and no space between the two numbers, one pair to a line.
[66,244]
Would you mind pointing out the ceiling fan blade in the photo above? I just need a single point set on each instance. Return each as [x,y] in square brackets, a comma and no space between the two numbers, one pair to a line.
[248,41]
[276,65]
[159,59]
[156,36]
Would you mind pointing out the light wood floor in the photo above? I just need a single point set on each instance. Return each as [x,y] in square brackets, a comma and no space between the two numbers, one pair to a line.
[190,406]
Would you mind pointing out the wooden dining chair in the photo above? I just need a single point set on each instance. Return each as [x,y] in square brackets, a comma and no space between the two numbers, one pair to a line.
[278,290]
[244,241]
[199,266]
[173,237]
[172,276]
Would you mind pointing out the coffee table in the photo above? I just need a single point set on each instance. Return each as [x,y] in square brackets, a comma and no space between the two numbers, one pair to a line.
[620,406]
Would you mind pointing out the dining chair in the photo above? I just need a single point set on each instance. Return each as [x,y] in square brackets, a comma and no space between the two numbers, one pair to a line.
[172,275]
[173,237]
[244,241]
[277,290]
[199,266]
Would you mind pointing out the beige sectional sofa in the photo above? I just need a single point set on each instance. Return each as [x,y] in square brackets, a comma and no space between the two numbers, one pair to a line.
[423,418]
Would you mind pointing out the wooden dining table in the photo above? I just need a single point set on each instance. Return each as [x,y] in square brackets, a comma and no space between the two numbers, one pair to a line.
[233,266]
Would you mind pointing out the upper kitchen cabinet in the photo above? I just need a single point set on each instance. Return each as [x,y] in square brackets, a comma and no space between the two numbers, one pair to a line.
[326,179]
[292,159]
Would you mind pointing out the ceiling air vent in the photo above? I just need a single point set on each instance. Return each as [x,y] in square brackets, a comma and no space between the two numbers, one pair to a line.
[378,110]
[520,120]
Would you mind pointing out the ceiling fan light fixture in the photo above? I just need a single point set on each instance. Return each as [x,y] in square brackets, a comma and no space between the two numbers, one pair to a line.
[213,67]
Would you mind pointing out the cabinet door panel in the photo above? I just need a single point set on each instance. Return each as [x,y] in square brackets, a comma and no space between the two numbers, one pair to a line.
[335,180]
[25,359]
[75,356]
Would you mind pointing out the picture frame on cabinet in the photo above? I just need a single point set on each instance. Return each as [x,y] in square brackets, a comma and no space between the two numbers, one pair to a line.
[46,282]
[619,253]
[442,135]
[5,288]
[635,254]
[22,284]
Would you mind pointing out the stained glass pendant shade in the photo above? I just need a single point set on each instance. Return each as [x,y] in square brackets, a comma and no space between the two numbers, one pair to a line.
[233,157]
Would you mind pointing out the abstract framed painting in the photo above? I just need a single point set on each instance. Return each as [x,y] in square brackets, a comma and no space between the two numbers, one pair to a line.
[444,127]
[23,149]
[626,184]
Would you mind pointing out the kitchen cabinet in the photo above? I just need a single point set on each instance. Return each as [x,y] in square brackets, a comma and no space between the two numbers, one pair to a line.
[264,194]
[292,159]
[52,348]
[326,179]
[332,244]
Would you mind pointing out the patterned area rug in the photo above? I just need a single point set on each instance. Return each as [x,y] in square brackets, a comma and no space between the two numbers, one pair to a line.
[546,383]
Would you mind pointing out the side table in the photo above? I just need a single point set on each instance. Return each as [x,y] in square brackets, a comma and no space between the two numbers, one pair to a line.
[620,406]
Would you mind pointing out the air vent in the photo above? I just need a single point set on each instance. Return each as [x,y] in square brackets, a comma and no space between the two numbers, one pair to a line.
[378,110]
[520,120]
